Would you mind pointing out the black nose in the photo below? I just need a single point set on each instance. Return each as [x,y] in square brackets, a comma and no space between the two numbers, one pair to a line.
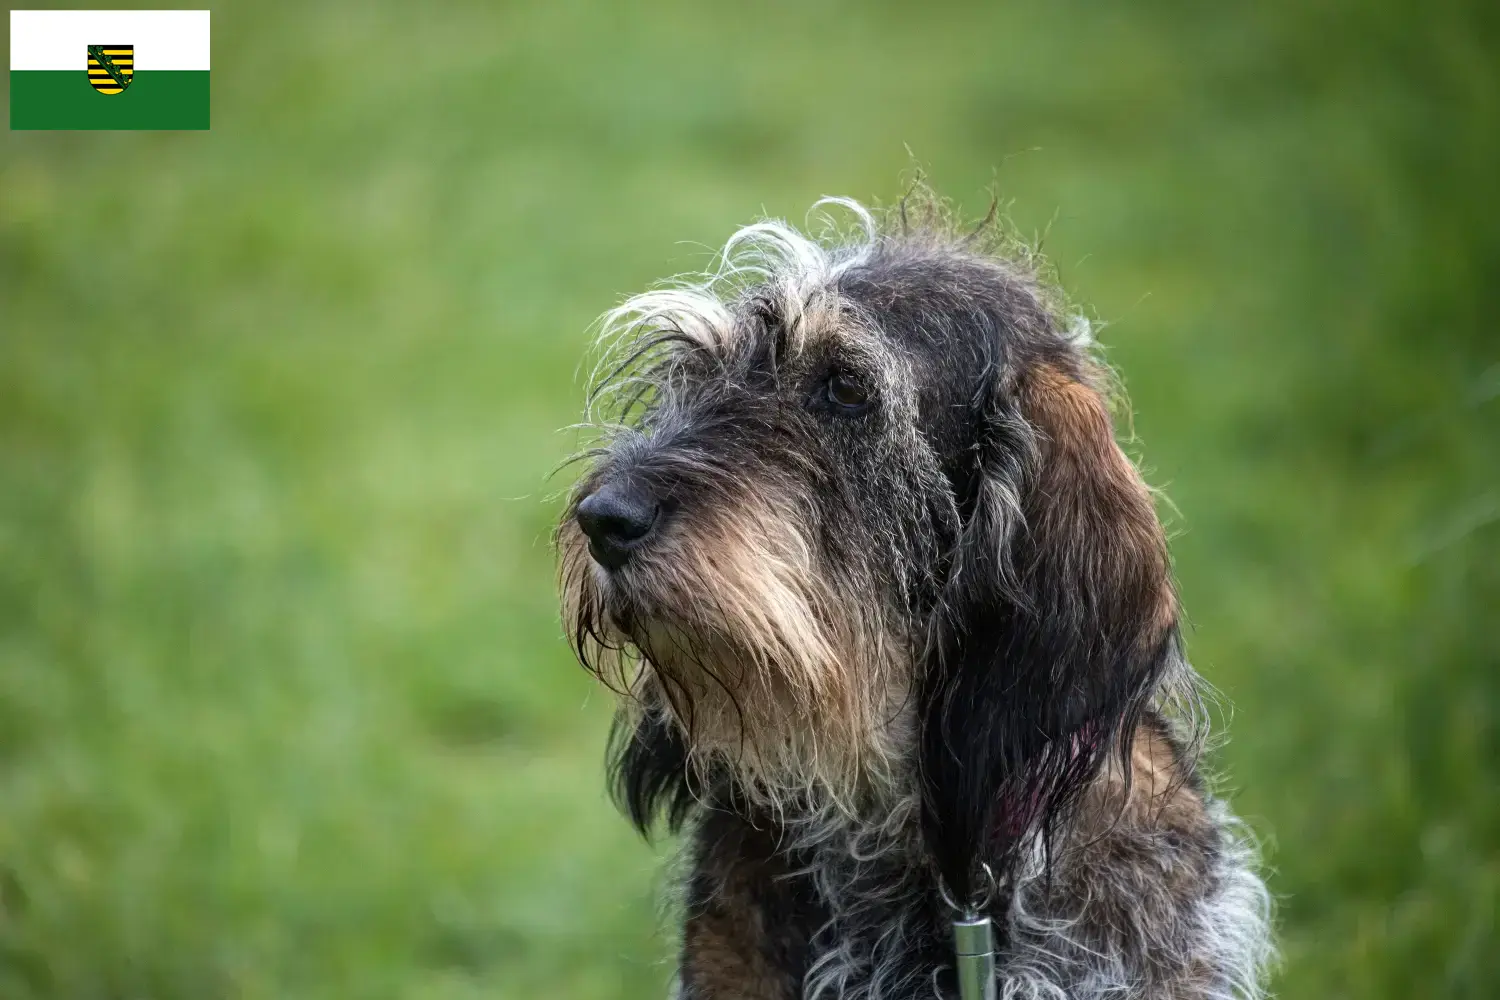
[616,518]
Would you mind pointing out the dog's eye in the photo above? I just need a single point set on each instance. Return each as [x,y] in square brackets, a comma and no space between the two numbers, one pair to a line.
[846,391]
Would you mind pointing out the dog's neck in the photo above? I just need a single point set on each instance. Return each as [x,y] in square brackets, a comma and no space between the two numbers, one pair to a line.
[879,835]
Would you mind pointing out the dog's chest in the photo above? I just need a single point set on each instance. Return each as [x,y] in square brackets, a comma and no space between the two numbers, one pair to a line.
[832,917]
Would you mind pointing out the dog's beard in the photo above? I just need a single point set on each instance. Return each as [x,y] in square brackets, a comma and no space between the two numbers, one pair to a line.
[730,628]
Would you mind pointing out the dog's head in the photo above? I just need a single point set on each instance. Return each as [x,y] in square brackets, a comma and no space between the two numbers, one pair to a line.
[858,522]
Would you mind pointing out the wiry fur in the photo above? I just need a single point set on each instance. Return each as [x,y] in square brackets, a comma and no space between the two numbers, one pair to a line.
[878,656]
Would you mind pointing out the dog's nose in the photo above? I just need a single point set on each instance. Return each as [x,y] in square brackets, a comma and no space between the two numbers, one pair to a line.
[616,518]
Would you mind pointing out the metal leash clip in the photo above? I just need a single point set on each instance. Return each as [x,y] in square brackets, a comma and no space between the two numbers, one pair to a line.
[974,957]
[974,945]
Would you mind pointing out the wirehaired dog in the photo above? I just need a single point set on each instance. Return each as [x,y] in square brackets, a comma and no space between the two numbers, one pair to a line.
[892,621]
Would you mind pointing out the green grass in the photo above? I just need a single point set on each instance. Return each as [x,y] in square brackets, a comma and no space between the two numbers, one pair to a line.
[284,706]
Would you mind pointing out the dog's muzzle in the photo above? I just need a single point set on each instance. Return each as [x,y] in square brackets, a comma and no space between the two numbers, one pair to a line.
[617,518]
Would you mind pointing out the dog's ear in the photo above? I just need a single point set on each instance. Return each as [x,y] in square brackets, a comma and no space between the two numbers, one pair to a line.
[1058,620]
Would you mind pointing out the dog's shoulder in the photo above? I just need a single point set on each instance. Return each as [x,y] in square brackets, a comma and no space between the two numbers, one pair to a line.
[1154,886]
[1153,795]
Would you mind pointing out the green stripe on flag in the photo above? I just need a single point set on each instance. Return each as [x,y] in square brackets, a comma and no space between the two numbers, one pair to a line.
[63,99]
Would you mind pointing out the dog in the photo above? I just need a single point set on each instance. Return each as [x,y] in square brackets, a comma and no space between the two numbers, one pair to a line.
[891,618]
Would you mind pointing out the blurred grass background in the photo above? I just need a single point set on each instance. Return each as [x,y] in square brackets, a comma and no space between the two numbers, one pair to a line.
[284,707]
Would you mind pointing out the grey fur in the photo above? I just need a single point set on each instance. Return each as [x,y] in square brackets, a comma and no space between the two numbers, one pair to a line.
[787,644]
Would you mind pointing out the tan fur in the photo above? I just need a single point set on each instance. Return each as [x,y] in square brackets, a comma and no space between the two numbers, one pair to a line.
[1089,489]
[1152,822]
[720,959]
[795,686]
[1155,796]
[728,950]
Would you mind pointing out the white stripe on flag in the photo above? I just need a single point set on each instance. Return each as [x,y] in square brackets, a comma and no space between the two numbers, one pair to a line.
[59,39]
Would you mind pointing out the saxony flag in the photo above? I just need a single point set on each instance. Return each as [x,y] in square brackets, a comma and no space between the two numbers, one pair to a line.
[104,69]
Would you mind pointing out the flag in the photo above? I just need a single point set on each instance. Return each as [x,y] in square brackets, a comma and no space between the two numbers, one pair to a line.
[109,69]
